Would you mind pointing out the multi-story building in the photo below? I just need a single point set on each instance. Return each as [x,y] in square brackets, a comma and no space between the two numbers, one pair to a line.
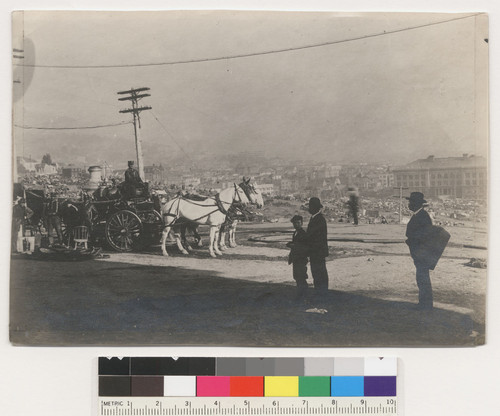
[265,188]
[453,177]
[289,185]
[361,181]
[71,172]
[350,174]
[386,179]
[154,174]
[328,171]
[46,169]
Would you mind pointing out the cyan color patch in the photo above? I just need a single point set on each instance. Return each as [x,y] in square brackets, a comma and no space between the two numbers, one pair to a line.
[348,386]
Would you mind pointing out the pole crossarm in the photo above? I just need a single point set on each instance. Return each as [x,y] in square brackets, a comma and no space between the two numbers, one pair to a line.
[133,91]
[134,97]
[135,110]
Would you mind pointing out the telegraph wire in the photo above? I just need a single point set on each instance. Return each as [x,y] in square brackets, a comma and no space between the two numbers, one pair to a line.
[72,128]
[172,137]
[248,55]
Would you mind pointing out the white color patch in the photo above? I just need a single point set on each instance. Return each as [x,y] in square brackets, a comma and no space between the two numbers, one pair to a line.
[183,386]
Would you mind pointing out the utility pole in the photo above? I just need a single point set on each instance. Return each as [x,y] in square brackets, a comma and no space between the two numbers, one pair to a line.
[134,96]
[18,54]
[400,201]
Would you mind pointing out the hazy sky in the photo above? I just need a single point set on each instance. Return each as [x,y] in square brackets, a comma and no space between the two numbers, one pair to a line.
[360,95]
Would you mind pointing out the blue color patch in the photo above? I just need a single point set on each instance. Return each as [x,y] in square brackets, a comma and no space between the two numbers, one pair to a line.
[348,386]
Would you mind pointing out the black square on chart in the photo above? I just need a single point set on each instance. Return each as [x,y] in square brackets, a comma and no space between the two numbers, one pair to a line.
[199,366]
[114,366]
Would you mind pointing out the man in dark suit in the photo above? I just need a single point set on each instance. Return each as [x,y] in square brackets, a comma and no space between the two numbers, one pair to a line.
[132,175]
[318,246]
[416,232]
[133,180]
[298,256]
[353,204]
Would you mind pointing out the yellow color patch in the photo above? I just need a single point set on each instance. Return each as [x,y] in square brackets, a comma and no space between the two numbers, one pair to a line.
[276,386]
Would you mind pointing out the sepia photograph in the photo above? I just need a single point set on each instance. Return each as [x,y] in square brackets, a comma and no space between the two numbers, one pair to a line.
[251,179]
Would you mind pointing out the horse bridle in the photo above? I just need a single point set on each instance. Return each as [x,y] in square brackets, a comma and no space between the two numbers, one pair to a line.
[237,201]
[248,189]
[237,193]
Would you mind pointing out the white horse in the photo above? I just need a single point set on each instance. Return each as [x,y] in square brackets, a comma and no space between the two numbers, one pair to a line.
[252,193]
[212,212]
[228,227]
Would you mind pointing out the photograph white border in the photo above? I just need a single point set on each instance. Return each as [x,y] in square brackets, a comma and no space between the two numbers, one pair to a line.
[435,381]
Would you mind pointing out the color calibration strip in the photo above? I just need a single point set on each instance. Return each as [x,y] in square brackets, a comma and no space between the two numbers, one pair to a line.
[247,377]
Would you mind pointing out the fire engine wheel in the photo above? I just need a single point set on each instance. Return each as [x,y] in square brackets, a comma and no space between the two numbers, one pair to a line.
[123,230]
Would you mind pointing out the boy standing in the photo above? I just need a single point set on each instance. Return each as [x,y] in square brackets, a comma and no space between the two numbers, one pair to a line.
[298,256]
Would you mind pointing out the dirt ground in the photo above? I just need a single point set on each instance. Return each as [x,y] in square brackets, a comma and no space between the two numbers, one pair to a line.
[246,296]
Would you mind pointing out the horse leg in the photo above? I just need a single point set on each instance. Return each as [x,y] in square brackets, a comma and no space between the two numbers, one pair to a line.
[187,246]
[232,244]
[197,236]
[54,223]
[232,234]
[184,242]
[213,241]
[184,229]
[222,238]
[216,238]
[163,243]
[178,238]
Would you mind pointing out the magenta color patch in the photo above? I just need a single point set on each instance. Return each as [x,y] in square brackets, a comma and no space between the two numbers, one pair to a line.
[213,386]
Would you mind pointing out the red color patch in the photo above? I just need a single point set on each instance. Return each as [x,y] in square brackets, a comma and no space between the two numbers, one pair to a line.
[247,386]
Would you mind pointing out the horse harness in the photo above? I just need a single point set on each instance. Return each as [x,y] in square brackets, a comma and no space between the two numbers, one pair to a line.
[248,189]
[218,204]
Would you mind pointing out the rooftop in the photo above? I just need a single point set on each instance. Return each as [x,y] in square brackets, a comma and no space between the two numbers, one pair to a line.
[431,162]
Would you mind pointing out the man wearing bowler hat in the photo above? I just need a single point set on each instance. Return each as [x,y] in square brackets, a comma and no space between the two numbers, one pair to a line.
[416,233]
[318,246]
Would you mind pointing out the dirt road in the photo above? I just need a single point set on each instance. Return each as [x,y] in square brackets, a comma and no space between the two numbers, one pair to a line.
[245,297]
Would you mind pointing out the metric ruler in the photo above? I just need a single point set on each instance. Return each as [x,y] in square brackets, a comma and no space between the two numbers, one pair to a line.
[205,386]
[258,406]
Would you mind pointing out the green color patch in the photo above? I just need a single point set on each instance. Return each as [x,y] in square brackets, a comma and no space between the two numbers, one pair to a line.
[314,386]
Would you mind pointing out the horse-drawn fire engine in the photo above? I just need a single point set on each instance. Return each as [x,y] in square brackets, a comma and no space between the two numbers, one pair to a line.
[126,223]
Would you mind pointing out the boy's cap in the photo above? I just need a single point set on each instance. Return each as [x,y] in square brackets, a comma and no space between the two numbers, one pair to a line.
[296,218]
